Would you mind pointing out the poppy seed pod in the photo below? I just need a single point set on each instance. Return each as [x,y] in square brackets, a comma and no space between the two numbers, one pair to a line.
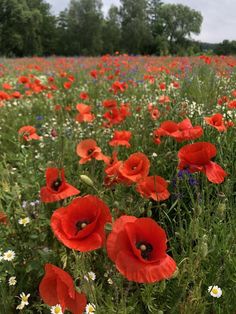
[85,179]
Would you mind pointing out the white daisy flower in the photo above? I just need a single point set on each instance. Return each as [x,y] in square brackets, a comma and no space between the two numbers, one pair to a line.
[91,276]
[9,255]
[24,298]
[90,308]
[215,291]
[56,309]
[110,281]
[20,306]
[12,281]
[24,221]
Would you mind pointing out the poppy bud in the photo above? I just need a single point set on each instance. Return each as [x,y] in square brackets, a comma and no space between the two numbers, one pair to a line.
[204,249]
[116,204]
[85,179]
[108,227]
[221,209]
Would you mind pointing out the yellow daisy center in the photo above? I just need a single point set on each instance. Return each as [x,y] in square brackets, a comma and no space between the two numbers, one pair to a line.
[57,310]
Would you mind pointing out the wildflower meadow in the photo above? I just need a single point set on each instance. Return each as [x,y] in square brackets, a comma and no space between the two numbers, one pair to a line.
[118,185]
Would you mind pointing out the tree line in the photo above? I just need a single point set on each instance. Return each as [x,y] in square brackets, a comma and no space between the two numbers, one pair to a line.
[28,27]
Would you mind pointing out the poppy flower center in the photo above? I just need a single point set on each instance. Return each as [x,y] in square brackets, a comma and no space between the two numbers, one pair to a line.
[80,225]
[145,248]
[56,184]
[90,151]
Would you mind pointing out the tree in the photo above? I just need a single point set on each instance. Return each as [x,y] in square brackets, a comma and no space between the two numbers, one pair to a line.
[177,23]
[153,11]
[14,17]
[26,27]
[136,33]
[112,31]
[63,43]
[85,26]
[226,48]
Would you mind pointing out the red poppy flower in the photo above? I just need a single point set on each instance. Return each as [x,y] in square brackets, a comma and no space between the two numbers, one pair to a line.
[155,114]
[109,103]
[84,95]
[121,138]
[87,150]
[197,157]
[112,171]
[181,131]
[136,167]
[16,95]
[113,116]
[23,79]
[164,99]
[57,287]
[162,86]
[67,85]
[28,133]
[56,188]
[223,100]
[4,95]
[154,187]
[187,131]
[137,246]
[85,114]
[125,110]
[6,86]
[94,74]
[119,87]
[175,85]
[232,104]
[217,122]
[80,225]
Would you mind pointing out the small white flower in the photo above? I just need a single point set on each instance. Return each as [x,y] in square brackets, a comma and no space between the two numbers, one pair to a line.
[20,306]
[9,255]
[56,309]
[91,276]
[24,221]
[24,298]
[110,281]
[90,308]
[154,154]
[215,291]
[12,281]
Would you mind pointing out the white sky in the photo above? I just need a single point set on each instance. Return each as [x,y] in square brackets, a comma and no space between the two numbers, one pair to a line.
[219,16]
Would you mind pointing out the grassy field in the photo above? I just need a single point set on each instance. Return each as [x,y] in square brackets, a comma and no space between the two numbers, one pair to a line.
[144,220]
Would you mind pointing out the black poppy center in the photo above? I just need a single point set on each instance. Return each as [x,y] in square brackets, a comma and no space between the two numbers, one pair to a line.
[90,151]
[56,184]
[145,248]
[80,225]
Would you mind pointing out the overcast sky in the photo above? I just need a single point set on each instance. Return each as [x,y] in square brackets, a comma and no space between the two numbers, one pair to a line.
[219,16]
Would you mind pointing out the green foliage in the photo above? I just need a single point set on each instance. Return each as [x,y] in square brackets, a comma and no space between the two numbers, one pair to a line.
[134,25]
[177,22]
[226,48]
[29,28]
